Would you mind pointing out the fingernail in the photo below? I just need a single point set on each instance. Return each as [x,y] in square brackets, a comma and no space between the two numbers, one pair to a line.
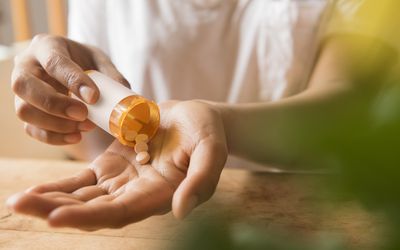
[76,113]
[87,94]
[11,201]
[72,138]
[190,205]
[86,125]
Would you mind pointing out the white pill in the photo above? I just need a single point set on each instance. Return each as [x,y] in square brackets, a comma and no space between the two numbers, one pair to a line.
[130,135]
[143,157]
[140,147]
[142,137]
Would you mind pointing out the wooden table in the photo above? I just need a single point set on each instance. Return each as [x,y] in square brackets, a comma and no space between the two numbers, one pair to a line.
[270,200]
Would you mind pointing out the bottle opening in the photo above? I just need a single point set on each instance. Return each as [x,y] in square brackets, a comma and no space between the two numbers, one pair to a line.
[134,113]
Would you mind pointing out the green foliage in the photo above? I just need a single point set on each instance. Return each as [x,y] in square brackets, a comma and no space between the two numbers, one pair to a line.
[216,234]
[363,146]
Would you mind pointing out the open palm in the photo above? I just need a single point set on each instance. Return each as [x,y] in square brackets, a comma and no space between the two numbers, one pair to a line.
[188,154]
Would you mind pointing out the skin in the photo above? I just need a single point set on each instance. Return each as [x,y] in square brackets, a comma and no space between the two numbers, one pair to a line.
[43,74]
[346,80]
[190,149]
[188,155]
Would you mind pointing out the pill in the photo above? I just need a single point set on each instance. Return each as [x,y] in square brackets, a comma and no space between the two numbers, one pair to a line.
[143,157]
[130,135]
[142,137]
[140,147]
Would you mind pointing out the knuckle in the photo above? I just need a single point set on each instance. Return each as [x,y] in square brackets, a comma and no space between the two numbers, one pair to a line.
[54,38]
[46,38]
[23,110]
[39,37]
[52,61]
[50,104]
[19,82]
[73,80]
[38,72]
[22,57]
[18,58]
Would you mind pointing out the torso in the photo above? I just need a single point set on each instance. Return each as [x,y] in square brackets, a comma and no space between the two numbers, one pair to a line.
[232,51]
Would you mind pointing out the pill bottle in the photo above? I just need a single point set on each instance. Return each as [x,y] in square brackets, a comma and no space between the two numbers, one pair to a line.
[120,111]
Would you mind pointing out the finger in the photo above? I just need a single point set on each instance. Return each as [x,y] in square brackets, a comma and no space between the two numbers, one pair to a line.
[116,185]
[51,81]
[202,178]
[102,198]
[36,204]
[142,199]
[89,192]
[25,62]
[149,195]
[83,194]
[50,137]
[112,163]
[105,66]
[38,118]
[44,97]
[53,55]
[68,185]
[88,215]
[58,195]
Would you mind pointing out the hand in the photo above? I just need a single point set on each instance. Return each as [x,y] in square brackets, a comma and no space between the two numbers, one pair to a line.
[188,154]
[43,74]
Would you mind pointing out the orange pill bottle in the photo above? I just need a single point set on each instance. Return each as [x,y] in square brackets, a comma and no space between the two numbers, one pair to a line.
[119,110]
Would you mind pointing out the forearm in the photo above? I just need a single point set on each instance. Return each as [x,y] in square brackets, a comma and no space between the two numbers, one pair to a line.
[293,130]
[307,127]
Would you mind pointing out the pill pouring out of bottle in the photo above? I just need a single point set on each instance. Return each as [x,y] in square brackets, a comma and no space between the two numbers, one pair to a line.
[129,117]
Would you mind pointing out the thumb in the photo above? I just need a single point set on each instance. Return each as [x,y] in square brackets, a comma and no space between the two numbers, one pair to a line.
[206,164]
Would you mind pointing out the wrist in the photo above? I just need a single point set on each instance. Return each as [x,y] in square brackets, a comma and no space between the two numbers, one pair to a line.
[226,114]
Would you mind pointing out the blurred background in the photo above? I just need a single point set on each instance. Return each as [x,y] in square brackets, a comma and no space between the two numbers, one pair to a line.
[368,159]
[20,20]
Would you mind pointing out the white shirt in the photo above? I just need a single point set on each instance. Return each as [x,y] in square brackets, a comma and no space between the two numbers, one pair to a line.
[231,51]
[220,50]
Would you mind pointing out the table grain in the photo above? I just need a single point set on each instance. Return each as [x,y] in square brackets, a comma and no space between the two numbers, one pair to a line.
[270,200]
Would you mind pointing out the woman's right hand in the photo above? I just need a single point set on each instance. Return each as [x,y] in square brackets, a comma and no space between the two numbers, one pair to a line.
[42,77]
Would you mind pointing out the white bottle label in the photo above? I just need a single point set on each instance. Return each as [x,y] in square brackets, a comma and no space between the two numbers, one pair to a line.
[111,93]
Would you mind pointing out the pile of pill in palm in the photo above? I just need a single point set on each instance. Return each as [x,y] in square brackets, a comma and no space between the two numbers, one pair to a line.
[141,147]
